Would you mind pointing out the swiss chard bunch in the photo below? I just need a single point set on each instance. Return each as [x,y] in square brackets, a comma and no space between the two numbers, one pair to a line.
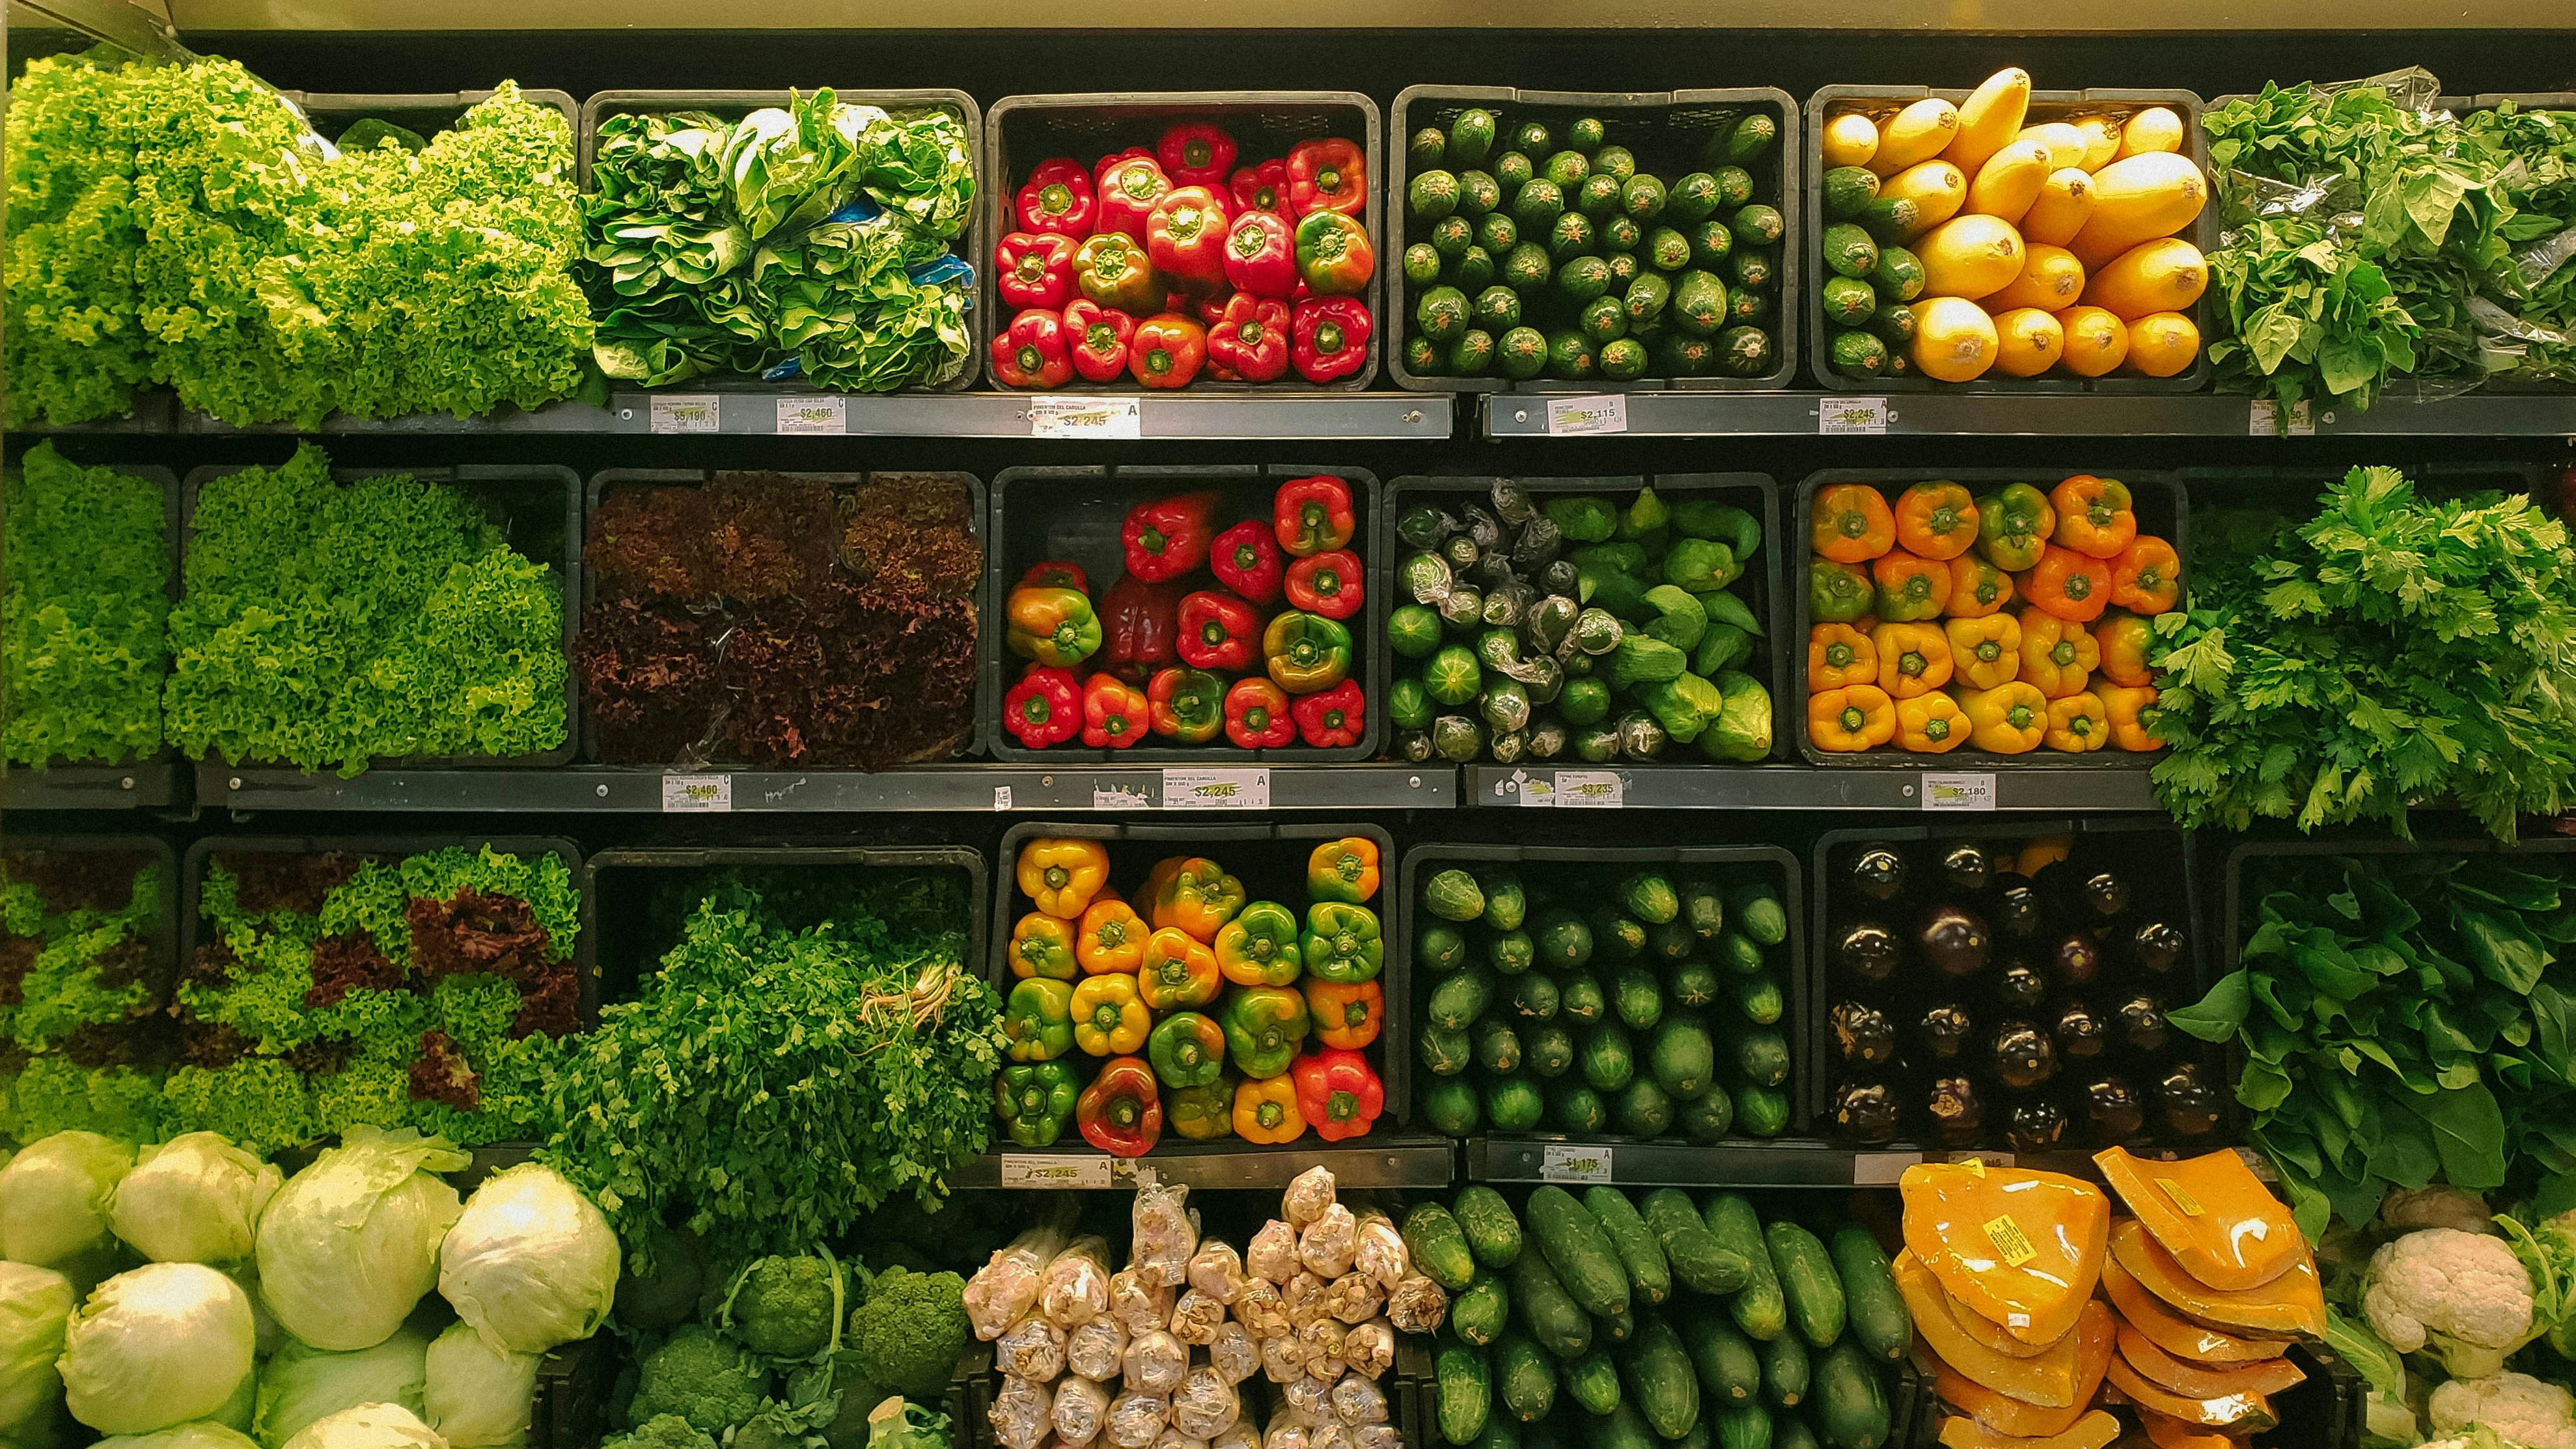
[88,568]
[2387,651]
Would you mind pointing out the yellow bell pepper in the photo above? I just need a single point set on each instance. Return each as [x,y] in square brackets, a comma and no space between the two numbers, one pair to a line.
[1852,719]
[1987,651]
[1265,1110]
[1179,973]
[1042,945]
[1839,655]
[2078,723]
[2007,719]
[1930,724]
[2125,641]
[1062,875]
[1912,658]
[2057,656]
[1199,898]
[2124,705]
[1112,939]
[1109,1018]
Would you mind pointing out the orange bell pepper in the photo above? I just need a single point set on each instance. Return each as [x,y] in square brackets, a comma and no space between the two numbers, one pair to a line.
[2124,706]
[1346,1013]
[1937,520]
[2007,719]
[1343,870]
[2093,515]
[2147,576]
[1852,523]
[1910,588]
[2057,658]
[2125,639]
[2078,723]
[1986,651]
[1062,875]
[1179,972]
[2068,584]
[1197,897]
[1042,945]
[1837,655]
[1265,1110]
[1113,939]
[1852,719]
[1977,588]
[1930,724]
[1913,659]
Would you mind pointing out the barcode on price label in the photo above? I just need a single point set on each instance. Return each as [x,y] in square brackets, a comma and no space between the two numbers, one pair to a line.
[1573,416]
[1121,797]
[1024,1170]
[1197,789]
[1574,1162]
[1851,415]
[1959,792]
[1590,790]
[696,413]
[697,794]
[1076,417]
[2263,419]
[813,415]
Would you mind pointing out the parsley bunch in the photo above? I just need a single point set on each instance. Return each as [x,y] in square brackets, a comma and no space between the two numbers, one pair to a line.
[88,568]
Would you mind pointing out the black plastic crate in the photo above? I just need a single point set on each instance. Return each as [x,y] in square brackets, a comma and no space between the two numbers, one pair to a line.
[987,603]
[1755,493]
[573,1382]
[972,244]
[538,508]
[168,483]
[2045,106]
[2162,509]
[332,113]
[1656,125]
[1022,131]
[1078,517]
[1423,860]
[1271,862]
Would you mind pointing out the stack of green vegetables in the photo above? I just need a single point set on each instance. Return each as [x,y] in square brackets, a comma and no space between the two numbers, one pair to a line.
[1591,1002]
[807,241]
[1590,1324]
[80,985]
[1575,628]
[88,569]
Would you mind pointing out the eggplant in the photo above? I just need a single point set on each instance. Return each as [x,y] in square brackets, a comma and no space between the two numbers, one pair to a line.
[2085,893]
[2104,893]
[1865,1112]
[2037,1124]
[2016,911]
[2076,960]
[1862,1034]
[1958,1117]
[1954,939]
[1879,874]
[2081,1032]
[2114,1109]
[1868,950]
[2155,947]
[2021,987]
[2023,1056]
[2142,1023]
[2190,1103]
[1967,868]
[1946,1031]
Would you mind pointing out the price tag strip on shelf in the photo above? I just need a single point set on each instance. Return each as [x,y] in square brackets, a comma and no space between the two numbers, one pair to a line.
[1078,417]
[1842,415]
[1575,1162]
[686,413]
[697,794]
[827,415]
[1208,789]
[1958,791]
[1021,1169]
[1576,416]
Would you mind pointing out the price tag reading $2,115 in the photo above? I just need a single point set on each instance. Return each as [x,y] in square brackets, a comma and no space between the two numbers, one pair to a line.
[1573,416]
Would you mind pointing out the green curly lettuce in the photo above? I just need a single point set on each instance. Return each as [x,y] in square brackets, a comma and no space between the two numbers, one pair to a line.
[54,1094]
[83,974]
[75,344]
[259,1101]
[81,628]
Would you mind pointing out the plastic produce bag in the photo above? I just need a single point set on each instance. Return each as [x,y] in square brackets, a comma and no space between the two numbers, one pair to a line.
[1303,1297]
[35,1303]
[1075,1287]
[1155,1363]
[194,1199]
[1331,1434]
[1139,1306]
[54,1197]
[1376,1436]
[1272,1254]
[1262,1311]
[1309,1395]
[349,1246]
[1283,1359]
[1033,1349]
[368,1426]
[1166,1234]
[474,1397]
[1196,1317]
[1098,1349]
[1288,1431]
[1175,1439]
[1381,1253]
[1006,1287]
[1136,1420]
[1323,1339]
[1205,1405]
[303,1384]
[1307,1196]
[1358,1400]
[1328,1245]
[1354,1297]
[1234,1354]
[1241,1435]
[1020,1413]
[1369,1348]
[1216,1270]
[164,1344]
[531,1264]
[1080,1411]
[1417,1305]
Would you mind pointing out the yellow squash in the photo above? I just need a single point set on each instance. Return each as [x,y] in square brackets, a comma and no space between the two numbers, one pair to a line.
[2096,341]
[1937,189]
[2048,1381]
[2050,278]
[2151,131]
[2139,199]
[2164,275]
[2028,341]
[2066,143]
[1990,117]
[2162,344]
[1954,339]
[2093,1430]
[2290,1305]
[1970,256]
[2211,1213]
[2020,1247]
[1918,133]
[2101,140]
[1851,139]
[2010,180]
[2065,203]
[2176,1334]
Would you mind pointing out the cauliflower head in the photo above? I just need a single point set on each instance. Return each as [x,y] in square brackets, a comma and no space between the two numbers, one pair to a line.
[2440,1206]
[2517,1407]
[701,1377]
[2461,1296]
[786,1308]
[911,1330]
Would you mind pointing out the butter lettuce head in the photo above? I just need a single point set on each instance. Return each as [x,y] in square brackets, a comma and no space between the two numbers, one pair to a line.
[532,1264]
[164,1344]
[349,1246]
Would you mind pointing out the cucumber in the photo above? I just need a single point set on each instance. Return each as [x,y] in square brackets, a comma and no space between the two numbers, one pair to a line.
[1444,1051]
[1453,895]
[1790,1431]
[1578,1250]
[1649,1277]
[1459,999]
[1699,1437]
[1707,1117]
[1785,1371]
[1513,1104]
[1593,1382]
[1659,1378]
[1500,1433]
[1757,912]
[1439,1248]
[1463,1391]
[1851,1409]
[1493,1234]
[1748,1427]
[1440,947]
[1579,999]
[1878,1316]
[1547,1050]
[1616,1327]
[1691,984]
[1479,1314]
[1760,999]
[1760,1111]
[1621,1428]
[1757,1307]
[1736,952]
[1761,1056]
[1564,941]
[1689,1248]
[1729,1370]
[1702,909]
[1546,1310]
[1523,1380]
[1807,1281]
[1451,1108]
[1496,1046]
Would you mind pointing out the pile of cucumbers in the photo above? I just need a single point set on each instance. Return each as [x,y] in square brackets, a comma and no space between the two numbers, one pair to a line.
[1871,282]
[1592,1324]
[1602,1001]
[1547,249]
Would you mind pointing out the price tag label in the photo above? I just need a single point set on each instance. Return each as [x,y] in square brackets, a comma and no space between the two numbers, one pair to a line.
[1590,790]
[694,413]
[697,794]
[1958,792]
[1021,1169]
[2181,1196]
[1535,793]
[1121,797]
[2263,419]
[1575,416]
[1200,789]
[1837,415]
[2010,1243]
[1574,1162]
[1086,417]
[1001,797]
[1978,1162]
[814,415]
[1877,1169]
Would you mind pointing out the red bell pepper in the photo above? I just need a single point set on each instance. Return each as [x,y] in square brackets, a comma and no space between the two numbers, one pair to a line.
[1115,714]
[1034,269]
[1336,1092]
[1097,337]
[1167,350]
[1250,339]
[1185,235]
[1058,198]
[1261,255]
[1331,338]
[1165,538]
[1330,175]
[1188,705]
[1100,168]
[1218,631]
[1313,515]
[1113,270]
[1056,574]
[1245,560]
[1031,352]
[1334,258]
[1121,1113]
[1333,718]
[1141,620]
[1044,708]
[1209,308]
[1326,584]
[1262,188]
[1196,153]
[1257,715]
[1128,190]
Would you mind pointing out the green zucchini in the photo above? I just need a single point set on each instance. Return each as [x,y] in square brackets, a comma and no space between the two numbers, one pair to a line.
[1578,1250]
[1757,1307]
[1807,1281]
[1746,1427]
[1463,1391]
[1878,1316]
[1621,1428]
[1851,1408]
[1493,1234]
[1524,1381]
[1785,1371]
[1689,1248]
[1730,1372]
[1649,1277]
[1479,1313]
[1439,1247]
[1659,1378]
[1546,1310]
[1593,1382]
[1790,1431]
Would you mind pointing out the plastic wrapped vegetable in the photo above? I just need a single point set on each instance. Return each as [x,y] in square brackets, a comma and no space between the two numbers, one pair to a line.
[1417,1305]
[1075,1287]
[1369,1348]
[1097,1350]
[1261,1309]
[1079,1412]
[1165,1234]
[1272,1253]
[1021,1413]
[1196,1317]
[1358,1400]
[1234,1354]
[1155,1362]
[349,1246]
[194,1199]
[1354,1297]
[1217,1270]
[1308,1194]
[1136,1420]
[1006,1287]
[1381,1252]
[1139,1306]
[1033,1349]
[1330,1241]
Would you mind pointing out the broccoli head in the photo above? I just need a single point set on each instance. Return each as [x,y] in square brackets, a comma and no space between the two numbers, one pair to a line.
[911,1330]
[786,1308]
[664,1297]
[662,1431]
[701,1377]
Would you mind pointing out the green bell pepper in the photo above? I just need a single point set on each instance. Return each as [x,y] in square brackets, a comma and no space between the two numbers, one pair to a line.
[1035,1101]
[1306,653]
[1341,942]
[1037,1021]
[1259,946]
[1187,1050]
[1203,1112]
[1264,1026]
[2013,526]
[1838,593]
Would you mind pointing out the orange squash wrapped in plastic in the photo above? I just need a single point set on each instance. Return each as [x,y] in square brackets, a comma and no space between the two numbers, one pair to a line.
[2019,1248]
[2293,1304]
[2177,1335]
[2242,1412]
[2211,1213]
[2093,1430]
[2047,1380]
[2204,1381]
[2166,1432]
[2095,1335]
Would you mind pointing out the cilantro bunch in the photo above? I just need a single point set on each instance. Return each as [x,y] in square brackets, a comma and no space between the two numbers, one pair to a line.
[2385,652]
[88,568]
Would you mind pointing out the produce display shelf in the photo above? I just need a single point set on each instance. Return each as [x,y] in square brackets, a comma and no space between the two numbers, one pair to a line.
[2172,415]
[1385,1159]
[150,785]
[1674,1162]
[1803,787]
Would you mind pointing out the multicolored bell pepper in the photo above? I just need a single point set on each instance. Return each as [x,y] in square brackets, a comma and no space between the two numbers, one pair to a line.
[1909,588]
[2147,576]
[1977,588]
[1337,1093]
[1838,593]
[1346,1013]
[1265,1111]
[1164,538]
[1331,720]
[1035,1100]
[1261,255]
[1187,1050]
[1216,632]
[2077,724]
[1196,153]
[1329,337]
[1167,351]
[1333,254]
[1179,971]
[1913,659]
[1051,626]
[2126,705]
[1188,705]
[1930,724]
[2007,719]
[1057,198]
[1313,515]
[1197,898]
[2125,641]
[1097,337]
[1250,338]
[2071,585]
[1044,708]
[2013,525]
[1305,653]
[1839,656]
[1851,523]
[1034,269]
[1936,520]
[1327,583]
[1128,190]
[2057,658]
[1111,941]
[1257,716]
[1202,1113]
[1115,714]
[1851,719]
[1986,651]
[1061,874]
[1185,236]
[1044,945]
[1261,188]
[1341,942]
[1109,1017]
[1032,351]
[1264,1026]
[2094,516]
[1343,870]
[1259,946]
[1037,1020]
[1056,573]
[1244,559]
[1327,175]
[1121,1113]
[1113,270]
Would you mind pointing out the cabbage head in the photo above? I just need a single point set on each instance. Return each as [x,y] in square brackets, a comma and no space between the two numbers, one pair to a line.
[194,1199]
[532,1264]
[34,1305]
[349,1245]
[368,1426]
[54,1197]
[477,1398]
[303,1384]
[164,1344]
[195,1434]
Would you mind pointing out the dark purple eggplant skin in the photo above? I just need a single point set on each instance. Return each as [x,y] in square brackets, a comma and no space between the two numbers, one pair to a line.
[2024,1056]
[2104,893]
[1869,951]
[2076,960]
[1879,873]
[1955,941]
[2115,1110]
[2190,1103]
[2021,987]
[2156,947]
[1958,1117]
[2081,1032]
[2017,911]
[2037,1124]
[2142,1023]
[1863,1036]
[1946,1030]
[1967,869]
[1865,1112]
